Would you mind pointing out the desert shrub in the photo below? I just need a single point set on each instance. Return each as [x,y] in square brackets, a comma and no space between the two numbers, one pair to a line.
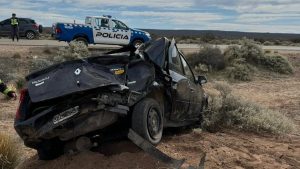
[268,51]
[202,68]
[231,53]
[251,51]
[208,55]
[9,68]
[228,110]
[9,154]
[75,50]
[240,72]
[276,63]
[20,83]
[47,50]
[268,43]
[17,55]
[39,64]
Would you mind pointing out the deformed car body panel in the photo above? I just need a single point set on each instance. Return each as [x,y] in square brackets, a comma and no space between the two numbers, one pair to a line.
[70,77]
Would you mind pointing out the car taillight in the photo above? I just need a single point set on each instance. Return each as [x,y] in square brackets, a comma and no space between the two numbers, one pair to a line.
[58,30]
[36,26]
[22,97]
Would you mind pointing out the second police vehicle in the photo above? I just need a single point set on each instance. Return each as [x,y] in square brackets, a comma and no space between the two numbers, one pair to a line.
[100,30]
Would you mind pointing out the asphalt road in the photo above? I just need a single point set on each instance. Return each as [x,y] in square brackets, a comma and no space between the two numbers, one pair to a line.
[186,47]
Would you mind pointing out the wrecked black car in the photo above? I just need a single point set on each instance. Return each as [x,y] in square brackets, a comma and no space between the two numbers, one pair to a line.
[150,89]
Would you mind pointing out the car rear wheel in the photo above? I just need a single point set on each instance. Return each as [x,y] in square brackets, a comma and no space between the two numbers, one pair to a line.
[50,149]
[147,120]
[137,43]
[82,40]
[30,35]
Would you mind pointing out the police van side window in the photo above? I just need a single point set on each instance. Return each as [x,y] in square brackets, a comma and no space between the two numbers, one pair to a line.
[119,25]
[101,22]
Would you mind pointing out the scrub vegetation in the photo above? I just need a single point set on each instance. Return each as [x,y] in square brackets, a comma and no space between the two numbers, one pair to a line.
[238,62]
[228,110]
[9,152]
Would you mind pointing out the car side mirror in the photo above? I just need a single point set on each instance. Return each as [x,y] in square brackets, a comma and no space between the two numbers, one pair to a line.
[201,80]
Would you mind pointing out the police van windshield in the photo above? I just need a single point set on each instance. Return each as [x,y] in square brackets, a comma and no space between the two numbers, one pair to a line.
[119,25]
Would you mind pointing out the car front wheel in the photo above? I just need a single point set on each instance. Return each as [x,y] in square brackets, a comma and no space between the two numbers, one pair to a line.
[30,35]
[147,120]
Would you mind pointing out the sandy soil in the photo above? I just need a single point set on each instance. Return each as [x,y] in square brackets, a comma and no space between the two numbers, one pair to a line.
[225,149]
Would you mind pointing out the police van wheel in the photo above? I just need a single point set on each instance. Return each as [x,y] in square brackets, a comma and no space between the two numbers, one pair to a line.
[30,35]
[137,43]
[82,40]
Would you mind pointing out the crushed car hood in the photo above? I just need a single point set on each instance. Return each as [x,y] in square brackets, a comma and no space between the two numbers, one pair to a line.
[69,77]
[156,51]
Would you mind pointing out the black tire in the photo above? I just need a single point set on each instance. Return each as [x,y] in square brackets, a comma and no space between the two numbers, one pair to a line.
[137,43]
[50,149]
[82,40]
[30,35]
[145,111]
[40,29]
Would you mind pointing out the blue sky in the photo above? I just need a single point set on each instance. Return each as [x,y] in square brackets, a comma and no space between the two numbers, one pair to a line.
[232,15]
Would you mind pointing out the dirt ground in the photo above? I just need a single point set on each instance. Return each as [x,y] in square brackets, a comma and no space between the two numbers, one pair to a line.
[224,149]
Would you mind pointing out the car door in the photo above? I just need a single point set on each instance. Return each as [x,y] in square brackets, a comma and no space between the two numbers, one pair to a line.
[120,32]
[6,28]
[197,93]
[22,25]
[101,31]
[181,93]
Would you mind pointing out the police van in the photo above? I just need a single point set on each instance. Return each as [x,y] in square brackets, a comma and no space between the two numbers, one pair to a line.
[100,30]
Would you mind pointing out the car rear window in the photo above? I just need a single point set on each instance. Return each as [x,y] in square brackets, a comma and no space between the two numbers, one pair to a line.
[32,21]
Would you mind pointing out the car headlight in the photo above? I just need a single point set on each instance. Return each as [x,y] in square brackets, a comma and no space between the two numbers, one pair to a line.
[147,34]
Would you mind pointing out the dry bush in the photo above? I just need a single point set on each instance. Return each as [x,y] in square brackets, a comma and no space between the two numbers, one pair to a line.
[227,110]
[232,53]
[268,43]
[208,55]
[75,50]
[37,64]
[17,55]
[9,68]
[242,72]
[251,51]
[47,50]
[9,153]
[277,63]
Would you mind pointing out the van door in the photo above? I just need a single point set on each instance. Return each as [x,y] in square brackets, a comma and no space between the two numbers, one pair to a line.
[121,32]
[101,31]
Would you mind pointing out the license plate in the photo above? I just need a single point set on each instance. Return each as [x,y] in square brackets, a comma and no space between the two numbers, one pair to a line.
[65,115]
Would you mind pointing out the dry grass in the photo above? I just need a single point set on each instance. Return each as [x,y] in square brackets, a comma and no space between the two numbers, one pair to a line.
[9,152]
[75,50]
[228,110]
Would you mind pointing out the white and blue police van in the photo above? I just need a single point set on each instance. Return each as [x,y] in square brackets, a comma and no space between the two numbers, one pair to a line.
[101,30]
